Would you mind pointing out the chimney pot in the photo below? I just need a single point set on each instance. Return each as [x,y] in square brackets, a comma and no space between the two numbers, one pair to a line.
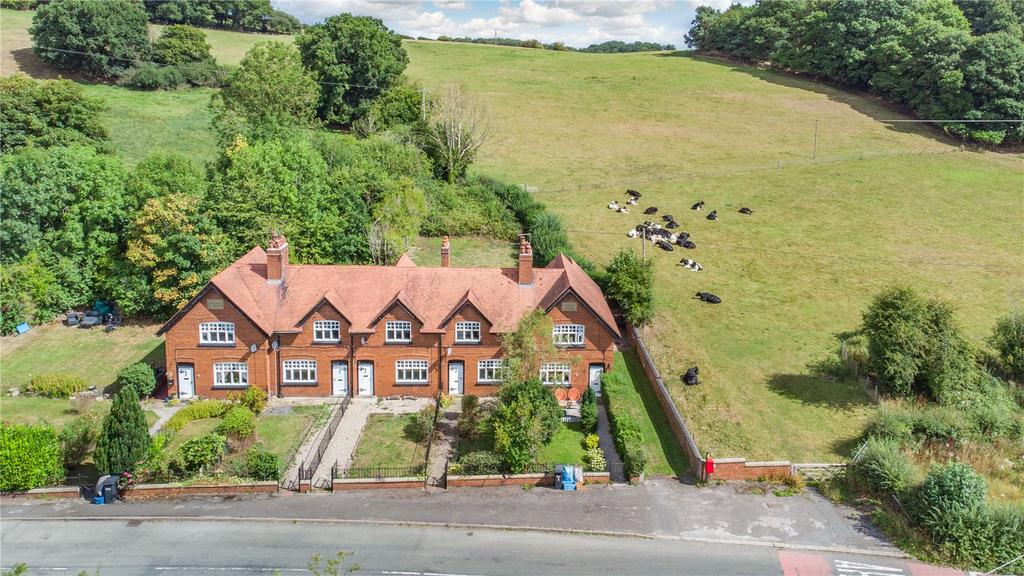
[525,261]
[277,258]
[446,259]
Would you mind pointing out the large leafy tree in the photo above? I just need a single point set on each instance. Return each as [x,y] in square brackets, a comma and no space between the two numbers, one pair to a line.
[527,417]
[68,205]
[268,93]
[124,437]
[355,58]
[47,113]
[631,286]
[181,44]
[96,37]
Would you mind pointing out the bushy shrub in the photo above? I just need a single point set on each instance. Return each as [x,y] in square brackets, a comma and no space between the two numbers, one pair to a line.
[891,423]
[57,385]
[238,423]
[466,210]
[207,74]
[882,467]
[634,459]
[196,411]
[984,538]
[254,399]
[591,441]
[588,411]
[936,423]
[480,462]
[203,452]
[420,425]
[469,417]
[77,439]
[262,464]
[595,461]
[630,283]
[949,487]
[1008,342]
[139,376]
[29,456]
[181,44]
[147,76]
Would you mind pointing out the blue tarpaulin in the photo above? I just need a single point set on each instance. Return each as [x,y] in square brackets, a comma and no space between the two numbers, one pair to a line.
[22,328]
[102,307]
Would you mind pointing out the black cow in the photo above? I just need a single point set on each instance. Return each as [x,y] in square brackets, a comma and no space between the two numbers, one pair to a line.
[668,217]
[713,215]
[651,210]
[690,378]
[672,225]
[697,206]
[633,193]
[708,297]
[664,245]
[688,245]
[746,210]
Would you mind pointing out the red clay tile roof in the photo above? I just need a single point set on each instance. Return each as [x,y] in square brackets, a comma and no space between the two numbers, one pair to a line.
[362,294]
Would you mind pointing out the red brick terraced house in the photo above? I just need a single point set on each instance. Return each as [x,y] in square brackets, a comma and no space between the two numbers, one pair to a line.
[334,330]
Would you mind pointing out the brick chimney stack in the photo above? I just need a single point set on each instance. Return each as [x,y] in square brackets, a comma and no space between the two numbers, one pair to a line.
[525,261]
[277,258]
[446,249]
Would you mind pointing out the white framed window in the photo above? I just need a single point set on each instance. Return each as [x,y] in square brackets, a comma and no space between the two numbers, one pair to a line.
[326,331]
[299,371]
[398,331]
[411,372]
[489,371]
[467,332]
[216,333]
[567,334]
[555,374]
[230,374]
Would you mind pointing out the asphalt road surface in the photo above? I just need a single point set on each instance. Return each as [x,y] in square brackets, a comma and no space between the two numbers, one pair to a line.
[114,547]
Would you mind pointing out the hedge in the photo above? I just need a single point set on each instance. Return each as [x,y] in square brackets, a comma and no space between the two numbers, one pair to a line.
[30,456]
[196,411]
[58,385]
[625,431]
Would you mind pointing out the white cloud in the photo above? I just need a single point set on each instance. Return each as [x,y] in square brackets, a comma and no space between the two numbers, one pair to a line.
[314,10]
[451,4]
[530,12]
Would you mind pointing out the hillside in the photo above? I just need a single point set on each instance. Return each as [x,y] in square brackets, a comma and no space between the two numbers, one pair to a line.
[873,202]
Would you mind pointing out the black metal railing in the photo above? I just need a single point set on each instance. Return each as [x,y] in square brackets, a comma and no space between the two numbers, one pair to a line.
[380,472]
[75,480]
[312,462]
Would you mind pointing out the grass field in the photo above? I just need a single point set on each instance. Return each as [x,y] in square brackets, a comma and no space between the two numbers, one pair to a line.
[93,354]
[467,252]
[845,202]
[282,434]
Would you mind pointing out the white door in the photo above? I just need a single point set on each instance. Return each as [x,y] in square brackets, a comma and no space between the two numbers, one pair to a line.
[596,370]
[366,378]
[339,379]
[186,381]
[456,378]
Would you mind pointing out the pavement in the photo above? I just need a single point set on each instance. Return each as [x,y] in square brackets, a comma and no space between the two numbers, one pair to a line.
[616,471]
[188,547]
[661,508]
[445,443]
[164,412]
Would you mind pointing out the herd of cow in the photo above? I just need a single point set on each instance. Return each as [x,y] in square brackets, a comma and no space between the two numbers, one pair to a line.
[664,237]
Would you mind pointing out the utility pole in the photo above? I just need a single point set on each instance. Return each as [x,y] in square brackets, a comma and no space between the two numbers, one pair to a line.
[814,153]
[643,246]
[423,103]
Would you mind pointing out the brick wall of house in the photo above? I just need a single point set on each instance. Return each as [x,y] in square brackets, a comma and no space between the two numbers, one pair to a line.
[182,347]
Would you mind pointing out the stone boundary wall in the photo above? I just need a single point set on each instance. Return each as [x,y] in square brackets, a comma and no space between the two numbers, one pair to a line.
[340,484]
[675,419]
[740,469]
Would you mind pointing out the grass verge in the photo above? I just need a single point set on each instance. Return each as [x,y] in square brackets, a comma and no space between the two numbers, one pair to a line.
[384,443]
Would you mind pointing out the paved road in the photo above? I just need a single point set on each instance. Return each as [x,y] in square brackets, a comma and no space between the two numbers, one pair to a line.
[187,547]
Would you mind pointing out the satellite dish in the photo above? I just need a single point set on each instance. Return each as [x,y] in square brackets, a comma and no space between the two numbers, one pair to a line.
[275,345]
[253,348]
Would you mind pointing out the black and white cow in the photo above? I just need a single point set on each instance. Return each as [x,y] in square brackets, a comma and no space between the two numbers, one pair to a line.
[633,193]
[672,225]
[651,210]
[691,376]
[697,206]
[613,205]
[664,245]
[713,215]
[690,265]
[746,211]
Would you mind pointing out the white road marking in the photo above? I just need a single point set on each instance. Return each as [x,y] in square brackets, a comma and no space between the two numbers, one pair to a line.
[227,569]
[847,568]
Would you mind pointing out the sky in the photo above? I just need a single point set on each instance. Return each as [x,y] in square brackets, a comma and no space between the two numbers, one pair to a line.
[575,22]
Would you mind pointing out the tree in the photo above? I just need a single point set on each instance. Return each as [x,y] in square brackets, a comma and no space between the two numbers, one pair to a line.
[47,113]
[527,417]
[1008,341]
[397,214]
[355,58]
[458,127]
[96,37]
[547,236]
[268,93]
[631,286]
[181,44]
[529,346]
[124,437]
[401,104]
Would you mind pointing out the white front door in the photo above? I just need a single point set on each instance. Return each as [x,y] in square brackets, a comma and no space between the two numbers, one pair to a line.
[339,379]
[366,378]
[186,381]
[596,370]
[456,378]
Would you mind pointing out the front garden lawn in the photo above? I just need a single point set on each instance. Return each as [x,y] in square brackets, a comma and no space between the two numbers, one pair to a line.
[92,354]
[565,448]
[664,455]
[384,443]
[282,433]
[53,411]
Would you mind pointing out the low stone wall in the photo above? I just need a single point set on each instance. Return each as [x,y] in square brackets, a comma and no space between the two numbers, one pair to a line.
[147,491]
[339,484]
[538,479]
[740,469]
